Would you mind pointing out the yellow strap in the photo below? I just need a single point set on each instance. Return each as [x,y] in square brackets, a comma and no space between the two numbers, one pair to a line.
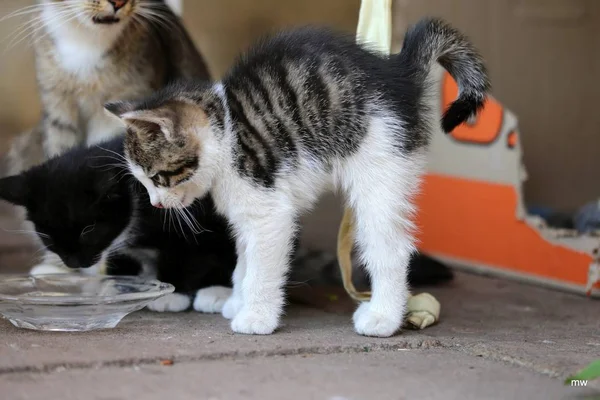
[375,24]
[345,243]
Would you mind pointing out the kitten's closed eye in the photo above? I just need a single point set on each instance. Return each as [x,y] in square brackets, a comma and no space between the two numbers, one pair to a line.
[175,176]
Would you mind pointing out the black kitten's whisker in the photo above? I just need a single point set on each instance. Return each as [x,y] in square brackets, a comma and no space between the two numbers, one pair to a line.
[26,232]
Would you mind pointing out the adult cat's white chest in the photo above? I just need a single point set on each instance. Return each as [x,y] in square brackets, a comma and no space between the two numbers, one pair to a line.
[80,49]
[79,58]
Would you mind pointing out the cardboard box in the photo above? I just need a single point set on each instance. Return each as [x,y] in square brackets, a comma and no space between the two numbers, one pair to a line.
[471,209]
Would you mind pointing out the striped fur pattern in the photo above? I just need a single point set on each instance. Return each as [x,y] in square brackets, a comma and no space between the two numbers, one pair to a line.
[303,112]
[89,52]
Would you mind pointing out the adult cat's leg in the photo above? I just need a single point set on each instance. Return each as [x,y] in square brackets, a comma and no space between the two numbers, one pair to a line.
[60,122]
[235,302]
[380,196]
[269,236]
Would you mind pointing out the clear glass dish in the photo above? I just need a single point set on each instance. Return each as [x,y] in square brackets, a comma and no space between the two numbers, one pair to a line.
[74,302]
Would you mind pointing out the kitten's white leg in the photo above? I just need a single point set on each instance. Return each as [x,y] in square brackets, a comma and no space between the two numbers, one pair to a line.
[381,196]
[211,299]
[173,302]
[269,237]
[235,301]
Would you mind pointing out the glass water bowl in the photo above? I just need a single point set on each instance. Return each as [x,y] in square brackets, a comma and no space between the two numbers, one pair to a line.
[74,302]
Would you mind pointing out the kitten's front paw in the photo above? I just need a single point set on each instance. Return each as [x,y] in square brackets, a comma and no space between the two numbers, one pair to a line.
[253,322]
[174,302]
[44,269]
[232,306]
[368,322]
[211,299]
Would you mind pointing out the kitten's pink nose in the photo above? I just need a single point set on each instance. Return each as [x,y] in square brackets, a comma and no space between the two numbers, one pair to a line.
[159,205]
[117,4]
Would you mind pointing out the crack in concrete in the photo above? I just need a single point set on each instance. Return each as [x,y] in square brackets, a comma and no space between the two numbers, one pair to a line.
[479,349]
[233,355]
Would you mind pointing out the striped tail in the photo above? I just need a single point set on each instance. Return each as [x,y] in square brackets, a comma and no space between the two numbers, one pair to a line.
[432,40]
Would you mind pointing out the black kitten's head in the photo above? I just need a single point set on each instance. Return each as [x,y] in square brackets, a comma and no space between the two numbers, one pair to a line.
[79,202]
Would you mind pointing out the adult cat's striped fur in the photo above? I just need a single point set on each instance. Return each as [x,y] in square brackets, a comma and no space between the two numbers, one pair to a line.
[302,112]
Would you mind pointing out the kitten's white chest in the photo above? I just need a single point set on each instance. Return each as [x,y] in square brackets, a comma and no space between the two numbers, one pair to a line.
[79,58]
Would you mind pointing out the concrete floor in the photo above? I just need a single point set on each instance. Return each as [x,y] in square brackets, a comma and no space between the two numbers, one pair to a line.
[497,340]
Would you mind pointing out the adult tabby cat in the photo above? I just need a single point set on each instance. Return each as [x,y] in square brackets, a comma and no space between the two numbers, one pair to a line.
[91,51]
[302,112]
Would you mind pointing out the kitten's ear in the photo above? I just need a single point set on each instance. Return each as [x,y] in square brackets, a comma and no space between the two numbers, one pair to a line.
[119,108]
[14,189]
[145,120]
[151,120]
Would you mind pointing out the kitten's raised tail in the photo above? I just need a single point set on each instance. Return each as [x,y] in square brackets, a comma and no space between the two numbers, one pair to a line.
[433,40]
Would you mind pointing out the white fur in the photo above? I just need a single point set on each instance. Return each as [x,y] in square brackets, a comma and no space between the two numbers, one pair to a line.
[211,299]
[47,269]
[234,304]
[79,49]
[51,264]
[80,43]
[173,302]
[378,183]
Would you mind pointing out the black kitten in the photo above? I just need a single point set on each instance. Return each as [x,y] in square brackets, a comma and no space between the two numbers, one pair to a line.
[87,210]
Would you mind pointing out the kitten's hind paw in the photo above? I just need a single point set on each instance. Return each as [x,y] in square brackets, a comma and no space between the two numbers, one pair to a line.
[211,299]
[46,269]
[174,302]
[232,307]
[369,322]
[251,322]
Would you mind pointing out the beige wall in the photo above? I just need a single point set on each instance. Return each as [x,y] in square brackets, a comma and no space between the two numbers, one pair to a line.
[225,27]
[544,61]
[19,106]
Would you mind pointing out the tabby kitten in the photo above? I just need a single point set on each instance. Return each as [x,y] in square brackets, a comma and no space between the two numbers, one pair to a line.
[302,112]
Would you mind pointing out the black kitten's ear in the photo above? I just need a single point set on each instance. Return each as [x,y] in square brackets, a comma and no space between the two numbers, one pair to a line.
[14,189]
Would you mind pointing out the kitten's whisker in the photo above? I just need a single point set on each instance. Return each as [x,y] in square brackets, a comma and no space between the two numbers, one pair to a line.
[122,175]
[52,29]
[197,228]
[67,14]
[40,250]
[119,156]
[35,22]
[24,231]
[180,225]
[37,8]
[157,18]
[22,29]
